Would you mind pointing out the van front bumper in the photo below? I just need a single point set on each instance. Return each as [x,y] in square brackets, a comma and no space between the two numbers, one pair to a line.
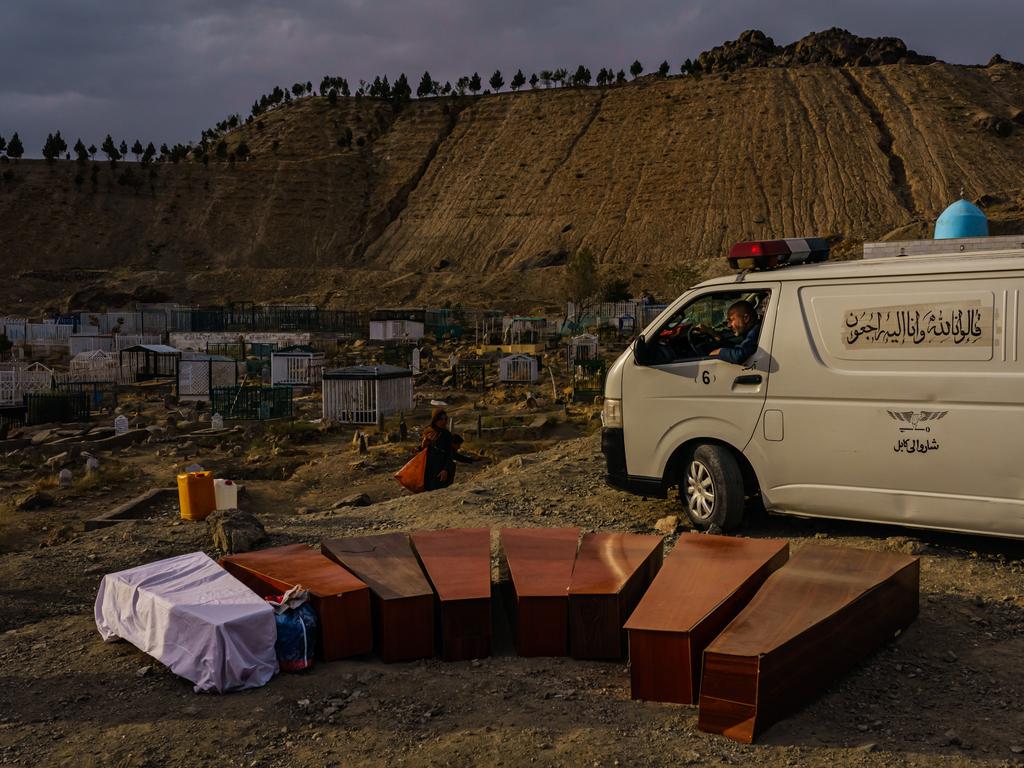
[613,446]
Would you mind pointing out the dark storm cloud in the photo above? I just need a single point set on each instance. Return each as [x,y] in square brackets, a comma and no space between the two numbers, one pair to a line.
[164,71]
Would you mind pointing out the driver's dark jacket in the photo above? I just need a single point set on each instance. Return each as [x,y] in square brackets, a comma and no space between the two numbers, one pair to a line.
[746,347]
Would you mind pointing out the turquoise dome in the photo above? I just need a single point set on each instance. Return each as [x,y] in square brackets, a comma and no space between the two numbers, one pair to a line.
[961,219]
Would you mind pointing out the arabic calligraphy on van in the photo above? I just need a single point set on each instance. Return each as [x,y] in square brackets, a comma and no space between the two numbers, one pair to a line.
[952,324]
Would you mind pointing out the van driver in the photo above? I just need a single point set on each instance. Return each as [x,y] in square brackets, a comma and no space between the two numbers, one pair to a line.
[743,321]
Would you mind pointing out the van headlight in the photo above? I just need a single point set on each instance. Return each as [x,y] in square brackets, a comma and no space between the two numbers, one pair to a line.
[611,414]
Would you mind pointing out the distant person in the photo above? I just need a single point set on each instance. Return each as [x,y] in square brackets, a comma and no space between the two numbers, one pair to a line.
[745,326]
[440,446]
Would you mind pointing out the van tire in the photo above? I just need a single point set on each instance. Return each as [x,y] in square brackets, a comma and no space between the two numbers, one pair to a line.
[711,489]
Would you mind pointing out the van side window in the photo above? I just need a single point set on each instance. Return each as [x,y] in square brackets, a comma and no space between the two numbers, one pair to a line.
[703,325]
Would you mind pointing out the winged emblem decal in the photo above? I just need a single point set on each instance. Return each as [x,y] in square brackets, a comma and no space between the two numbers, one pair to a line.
[916,421]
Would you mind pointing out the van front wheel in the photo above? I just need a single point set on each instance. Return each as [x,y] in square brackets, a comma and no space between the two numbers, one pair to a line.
[711,489]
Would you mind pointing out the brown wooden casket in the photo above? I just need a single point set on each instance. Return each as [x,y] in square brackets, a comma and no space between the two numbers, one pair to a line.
[539,562]
[611,574]
[341,600]
[705,582]
[458,563]
[401,600]
[811,621]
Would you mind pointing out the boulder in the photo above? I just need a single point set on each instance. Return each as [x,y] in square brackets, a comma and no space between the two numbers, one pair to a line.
[34,500]
[234,530]
[667,525]
[355,500]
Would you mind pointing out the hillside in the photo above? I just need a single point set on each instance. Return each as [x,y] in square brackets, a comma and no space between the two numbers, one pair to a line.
[481,199]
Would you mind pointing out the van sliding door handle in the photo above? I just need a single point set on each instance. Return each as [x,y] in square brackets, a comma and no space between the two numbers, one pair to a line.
[753,378]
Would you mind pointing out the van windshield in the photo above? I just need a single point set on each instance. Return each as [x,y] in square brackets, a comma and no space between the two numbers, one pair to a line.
[703,325]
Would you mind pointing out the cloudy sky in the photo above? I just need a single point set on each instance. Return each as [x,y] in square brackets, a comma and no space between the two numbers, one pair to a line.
[163,71]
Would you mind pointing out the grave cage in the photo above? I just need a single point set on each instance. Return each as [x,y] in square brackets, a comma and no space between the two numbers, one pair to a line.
[524,330]
[17,379]
[96,365]
[587,380]
[582,347]
[397,330]
[471,374]
[149,362]
[252,403]
[198,375]
[296,366]
[364,394]
[518,369]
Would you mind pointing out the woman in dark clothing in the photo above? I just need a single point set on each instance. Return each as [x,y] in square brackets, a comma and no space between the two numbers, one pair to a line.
[437,439]
[442,452]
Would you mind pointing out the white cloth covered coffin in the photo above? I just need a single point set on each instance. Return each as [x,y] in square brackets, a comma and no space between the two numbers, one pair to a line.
[193,616]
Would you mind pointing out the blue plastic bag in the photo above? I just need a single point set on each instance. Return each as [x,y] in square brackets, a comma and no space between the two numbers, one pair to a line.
[296,635]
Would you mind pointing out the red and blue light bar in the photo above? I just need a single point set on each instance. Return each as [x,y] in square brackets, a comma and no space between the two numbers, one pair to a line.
[768,254]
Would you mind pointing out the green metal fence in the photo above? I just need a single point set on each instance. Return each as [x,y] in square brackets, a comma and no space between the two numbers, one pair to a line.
[59,407]
[252,403]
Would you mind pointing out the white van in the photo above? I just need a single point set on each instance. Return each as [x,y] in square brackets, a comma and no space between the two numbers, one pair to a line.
[889,390]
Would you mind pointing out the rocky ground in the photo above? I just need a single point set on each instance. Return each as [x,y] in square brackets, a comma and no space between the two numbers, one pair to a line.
[945,692]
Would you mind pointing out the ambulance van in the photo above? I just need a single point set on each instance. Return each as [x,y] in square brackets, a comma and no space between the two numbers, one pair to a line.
[888,390]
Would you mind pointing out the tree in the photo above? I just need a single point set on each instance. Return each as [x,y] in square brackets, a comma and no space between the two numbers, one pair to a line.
[560,75]
[81,153]
[518,80]
[462,85]
[534,80]
[92,151]
[344,88]
[546,77]
[137,149]
[636,69]
[620,77]
[401,93]
[49,152]
[222,149]
[581,77]
[663,69]
[615,289]
[148,154]
[54,147]
[686,67]
[602,77]
[123,148]
[581,284]
[447,88]
[110,150]
[298,89]
[426,86]
[309,88]
[474,83]
[3,145]
[332,97]
[496,81]
[242,150]
[165,153]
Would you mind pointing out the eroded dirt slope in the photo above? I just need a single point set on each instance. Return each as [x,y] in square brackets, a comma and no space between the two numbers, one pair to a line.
[477,193]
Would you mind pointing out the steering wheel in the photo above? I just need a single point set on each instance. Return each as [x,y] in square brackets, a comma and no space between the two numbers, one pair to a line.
[700,341]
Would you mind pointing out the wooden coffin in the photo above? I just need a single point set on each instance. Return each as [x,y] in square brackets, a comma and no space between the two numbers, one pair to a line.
[611,574]
[458,563]
[401,600]
[539,562]
[704,583]
[341,600]
[809,623]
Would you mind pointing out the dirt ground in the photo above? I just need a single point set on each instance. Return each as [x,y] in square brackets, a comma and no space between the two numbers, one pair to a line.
[948,691]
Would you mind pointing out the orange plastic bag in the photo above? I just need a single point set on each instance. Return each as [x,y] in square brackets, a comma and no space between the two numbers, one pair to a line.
[412,475]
